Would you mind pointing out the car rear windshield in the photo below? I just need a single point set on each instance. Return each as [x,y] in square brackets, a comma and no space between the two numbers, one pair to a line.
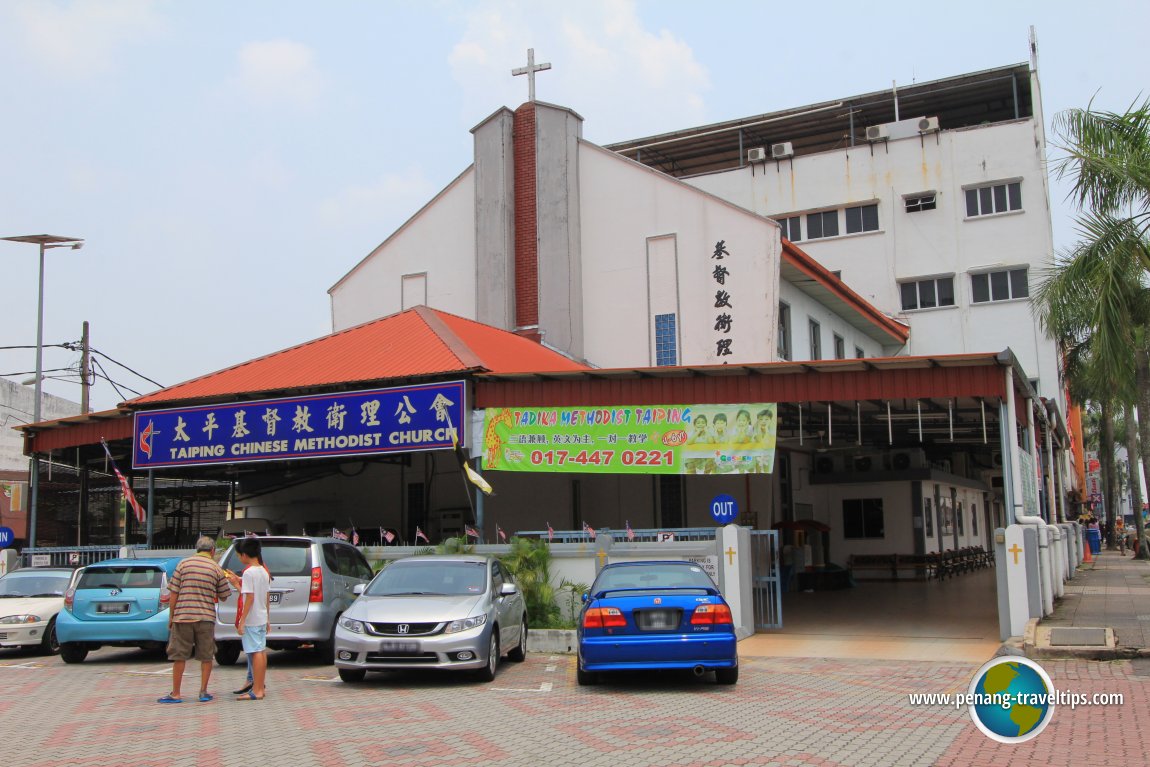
[34,584]
[653,577]
[430,579]
[121,577]
[283,558]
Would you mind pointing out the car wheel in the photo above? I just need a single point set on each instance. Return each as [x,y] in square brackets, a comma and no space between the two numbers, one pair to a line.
[487,673]
[49,645]
[73,652]
[227,653]
[519,654]
[352,675]
[727,675]
[585,678]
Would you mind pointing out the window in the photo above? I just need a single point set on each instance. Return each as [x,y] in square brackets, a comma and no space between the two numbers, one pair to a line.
[666,340]
[824,224]
[859,353]
[920,202]
[816,334]
[784,332]
[994,198]
[929,517]
[791,228]
[840,347]
[974,519]
[958,517]
[863,218]
[671,500]
[1002,285]
[927,294]
[862,518]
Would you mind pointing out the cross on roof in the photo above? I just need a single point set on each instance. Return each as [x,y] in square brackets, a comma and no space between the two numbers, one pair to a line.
[530,71]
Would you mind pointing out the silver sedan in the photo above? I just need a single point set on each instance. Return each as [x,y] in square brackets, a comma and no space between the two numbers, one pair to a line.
[439,612]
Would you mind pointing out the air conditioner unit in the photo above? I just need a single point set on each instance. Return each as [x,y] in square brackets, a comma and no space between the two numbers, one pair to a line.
[757,154]
[782,151]
[877,133]
[943,466]
[828,464]
[927,124]
[904,460]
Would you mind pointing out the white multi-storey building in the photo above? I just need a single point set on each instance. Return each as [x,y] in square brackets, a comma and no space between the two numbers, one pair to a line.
[931,201]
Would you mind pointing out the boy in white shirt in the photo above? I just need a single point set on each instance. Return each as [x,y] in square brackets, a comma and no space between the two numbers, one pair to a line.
[254,621]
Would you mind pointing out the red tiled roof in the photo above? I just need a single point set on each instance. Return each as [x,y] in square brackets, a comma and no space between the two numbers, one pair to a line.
[419,342]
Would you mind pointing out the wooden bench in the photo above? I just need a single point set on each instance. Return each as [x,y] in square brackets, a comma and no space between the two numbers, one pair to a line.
[884,562]
[924,565]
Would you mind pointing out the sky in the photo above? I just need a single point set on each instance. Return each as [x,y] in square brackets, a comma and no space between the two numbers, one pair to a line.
[228,162]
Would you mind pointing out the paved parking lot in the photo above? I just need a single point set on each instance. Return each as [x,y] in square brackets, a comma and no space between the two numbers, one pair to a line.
[791,711]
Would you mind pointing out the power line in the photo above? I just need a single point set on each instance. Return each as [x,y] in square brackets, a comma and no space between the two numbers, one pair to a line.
[33,372]
[125,367]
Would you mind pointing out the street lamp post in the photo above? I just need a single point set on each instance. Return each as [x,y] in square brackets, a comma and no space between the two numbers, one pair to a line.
[46,242]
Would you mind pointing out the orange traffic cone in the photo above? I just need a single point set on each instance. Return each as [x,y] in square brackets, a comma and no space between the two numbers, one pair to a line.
[1088,557]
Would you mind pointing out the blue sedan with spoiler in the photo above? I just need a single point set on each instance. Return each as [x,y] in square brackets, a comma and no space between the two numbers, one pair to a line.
[656,615]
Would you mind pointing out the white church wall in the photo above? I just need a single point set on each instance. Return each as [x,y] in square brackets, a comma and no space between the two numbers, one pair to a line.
[943,242]
[439,240]
[623,204]
[898,530]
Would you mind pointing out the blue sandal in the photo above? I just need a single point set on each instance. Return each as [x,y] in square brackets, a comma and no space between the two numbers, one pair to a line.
[206,697]
[170,699]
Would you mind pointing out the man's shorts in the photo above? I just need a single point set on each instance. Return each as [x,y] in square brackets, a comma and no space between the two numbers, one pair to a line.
[255,639]
[196,639]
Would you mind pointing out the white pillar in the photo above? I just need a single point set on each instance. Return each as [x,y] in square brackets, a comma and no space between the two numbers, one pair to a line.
[735,571]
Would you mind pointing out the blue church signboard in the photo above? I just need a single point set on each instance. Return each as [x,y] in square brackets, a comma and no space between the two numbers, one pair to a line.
[395,420]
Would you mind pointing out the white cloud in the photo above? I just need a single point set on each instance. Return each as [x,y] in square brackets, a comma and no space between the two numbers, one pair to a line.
[383,204]
[81,38]
[278,73]
[624,77]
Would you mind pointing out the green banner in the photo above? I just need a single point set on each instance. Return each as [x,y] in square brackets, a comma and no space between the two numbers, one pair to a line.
[660,439]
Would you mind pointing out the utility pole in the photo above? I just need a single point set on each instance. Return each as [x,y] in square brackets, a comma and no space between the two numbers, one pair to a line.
[85,382]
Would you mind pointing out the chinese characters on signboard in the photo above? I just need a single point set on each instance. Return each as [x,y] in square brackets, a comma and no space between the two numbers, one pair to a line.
[661,439]
[401,419]
[724,308]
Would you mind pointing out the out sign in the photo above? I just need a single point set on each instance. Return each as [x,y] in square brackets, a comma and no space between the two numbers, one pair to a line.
[724,509]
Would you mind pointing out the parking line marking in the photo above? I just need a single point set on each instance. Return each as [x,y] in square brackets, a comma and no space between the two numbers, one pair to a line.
[545,687]
[320,678]
[550,668]
[27,665]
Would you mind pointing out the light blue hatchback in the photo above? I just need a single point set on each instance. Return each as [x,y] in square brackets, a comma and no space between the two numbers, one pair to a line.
[120,602]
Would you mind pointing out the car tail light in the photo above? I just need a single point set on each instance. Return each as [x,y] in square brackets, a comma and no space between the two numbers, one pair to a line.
[604,617]
[316,585]
[69,599]
[709,614]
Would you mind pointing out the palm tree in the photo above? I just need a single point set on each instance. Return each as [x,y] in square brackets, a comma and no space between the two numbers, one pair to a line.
[1096,302]
[1107,156]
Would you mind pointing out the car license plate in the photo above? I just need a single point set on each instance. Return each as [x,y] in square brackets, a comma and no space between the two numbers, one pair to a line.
[274,597]
[399,648]
[112,608]
[657,620]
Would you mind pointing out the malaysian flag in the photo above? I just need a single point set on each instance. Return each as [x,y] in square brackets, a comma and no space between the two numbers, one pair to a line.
[141,515]
[469,530]
[339,535]
[354,537]
[386,535]
[589,530]
[502,535]
[630,532]
[419,534]
[550,532]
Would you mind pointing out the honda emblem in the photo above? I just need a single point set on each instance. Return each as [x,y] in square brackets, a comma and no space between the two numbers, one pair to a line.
[403,628]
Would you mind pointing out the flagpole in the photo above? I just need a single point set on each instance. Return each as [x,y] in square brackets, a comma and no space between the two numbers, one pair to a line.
[478,497]
[151,506]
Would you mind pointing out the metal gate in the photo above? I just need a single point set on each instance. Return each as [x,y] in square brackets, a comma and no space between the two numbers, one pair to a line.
[68,556]
[765,581]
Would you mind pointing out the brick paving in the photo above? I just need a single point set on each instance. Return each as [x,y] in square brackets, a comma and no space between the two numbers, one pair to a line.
[784,711]
[1113,591]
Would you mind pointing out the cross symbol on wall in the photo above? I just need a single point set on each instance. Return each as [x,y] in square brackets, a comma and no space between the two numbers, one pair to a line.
[602,556]
[530,71]
[730,552]
[1015,551]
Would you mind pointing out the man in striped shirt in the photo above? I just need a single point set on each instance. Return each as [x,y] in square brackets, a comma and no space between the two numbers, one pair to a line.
[196,586]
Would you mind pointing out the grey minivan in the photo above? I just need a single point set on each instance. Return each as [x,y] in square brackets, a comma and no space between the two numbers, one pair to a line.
[313,582]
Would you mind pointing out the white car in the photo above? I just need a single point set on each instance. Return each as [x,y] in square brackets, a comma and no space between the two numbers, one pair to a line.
[29,601]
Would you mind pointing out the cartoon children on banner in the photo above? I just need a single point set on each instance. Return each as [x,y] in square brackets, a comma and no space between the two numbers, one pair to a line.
[733,443]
